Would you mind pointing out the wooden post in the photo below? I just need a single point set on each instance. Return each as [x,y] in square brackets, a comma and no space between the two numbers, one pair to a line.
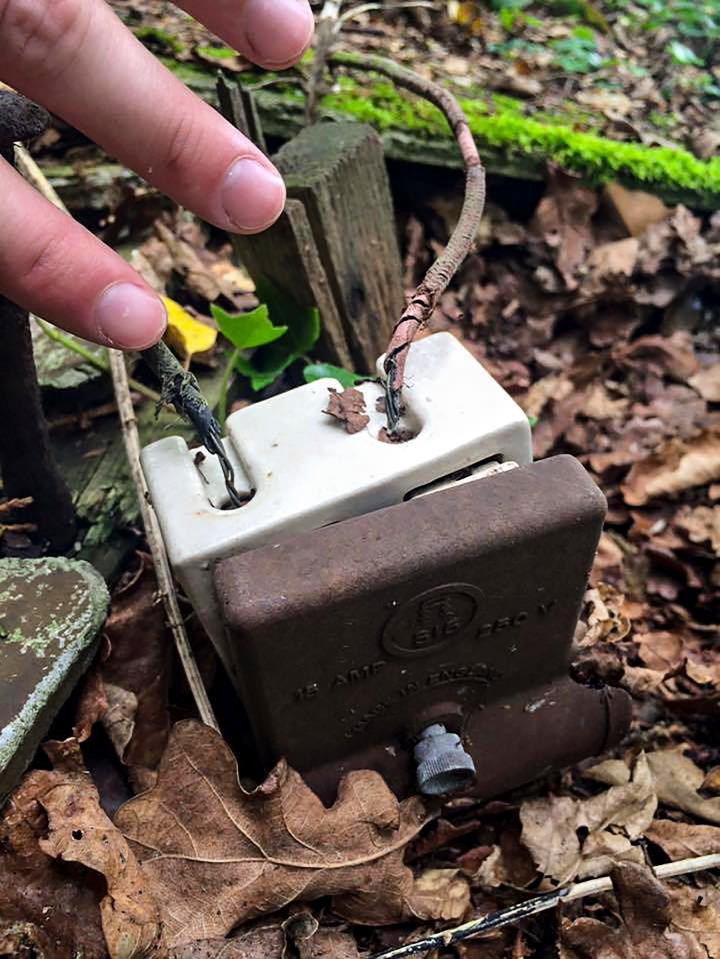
[337,171]
[335,245]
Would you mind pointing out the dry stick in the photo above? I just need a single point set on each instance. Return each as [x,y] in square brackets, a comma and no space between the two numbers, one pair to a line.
[166,586]
[532,907]
[328,27]
[423,300]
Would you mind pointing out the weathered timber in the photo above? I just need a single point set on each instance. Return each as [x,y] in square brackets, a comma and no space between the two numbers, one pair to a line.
[337,171]
[51,611]
[286,256]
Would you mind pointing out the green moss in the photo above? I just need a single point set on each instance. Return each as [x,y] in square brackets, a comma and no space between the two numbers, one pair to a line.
[594,157]
[499,126]
[216,53]
[156,39]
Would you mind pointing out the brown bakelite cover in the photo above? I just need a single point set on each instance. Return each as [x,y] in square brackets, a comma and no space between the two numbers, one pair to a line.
[456,607]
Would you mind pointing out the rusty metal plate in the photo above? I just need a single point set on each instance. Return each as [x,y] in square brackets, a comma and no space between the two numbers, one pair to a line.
[458,607]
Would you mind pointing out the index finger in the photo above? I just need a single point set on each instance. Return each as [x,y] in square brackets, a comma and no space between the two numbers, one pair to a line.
[271,33]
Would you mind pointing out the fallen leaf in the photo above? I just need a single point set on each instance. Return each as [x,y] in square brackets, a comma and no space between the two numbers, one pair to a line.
[602,619]
[702,524]
[676,781]
[671,356]
[30,881]
[553,825]
[257,942]
[311,941]
[707,383]
[80,832]
[657,922]
[440,894]
[613,259]
[349,408]
[563,218]
[675,466]
[660,651]
[184,334]
[635,209]
[215,855]
[681,840]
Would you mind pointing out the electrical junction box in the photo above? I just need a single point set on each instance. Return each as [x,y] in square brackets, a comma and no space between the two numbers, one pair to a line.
[405,607]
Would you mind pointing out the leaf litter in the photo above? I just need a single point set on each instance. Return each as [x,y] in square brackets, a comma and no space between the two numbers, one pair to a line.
[597,310]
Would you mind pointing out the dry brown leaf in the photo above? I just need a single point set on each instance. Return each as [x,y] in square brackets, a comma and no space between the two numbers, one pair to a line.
[215,855]
[660,651]
[563,218]
[658,922]
[79,831]
[30,881]
[675,466]
[702,524]
[602,619]
[313,942]
[349,408]
[610,821]
[635,209]
[676,781]
[440,894]
[707,383]
[681,840]
[613,259]
[257,942]
[672,356]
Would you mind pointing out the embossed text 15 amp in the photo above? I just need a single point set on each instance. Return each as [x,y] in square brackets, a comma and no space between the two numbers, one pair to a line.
[456,608]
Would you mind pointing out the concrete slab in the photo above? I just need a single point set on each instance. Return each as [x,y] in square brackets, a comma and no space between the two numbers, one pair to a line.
[51,613]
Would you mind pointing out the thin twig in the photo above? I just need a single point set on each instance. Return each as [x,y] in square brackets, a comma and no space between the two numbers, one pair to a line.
[328,27]
[422,301]
[166,586]
[531,907]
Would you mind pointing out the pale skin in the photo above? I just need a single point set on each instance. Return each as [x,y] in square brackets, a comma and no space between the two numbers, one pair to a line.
[77,59]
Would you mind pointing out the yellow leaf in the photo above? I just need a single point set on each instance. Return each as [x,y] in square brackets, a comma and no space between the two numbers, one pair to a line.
[185,334]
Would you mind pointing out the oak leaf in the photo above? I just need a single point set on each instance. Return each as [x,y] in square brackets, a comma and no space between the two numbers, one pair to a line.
[216,855]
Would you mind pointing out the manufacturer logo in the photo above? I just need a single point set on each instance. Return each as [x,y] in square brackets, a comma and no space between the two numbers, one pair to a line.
[431,620]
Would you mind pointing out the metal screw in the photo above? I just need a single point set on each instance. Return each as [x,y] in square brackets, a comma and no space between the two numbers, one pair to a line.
[443,766]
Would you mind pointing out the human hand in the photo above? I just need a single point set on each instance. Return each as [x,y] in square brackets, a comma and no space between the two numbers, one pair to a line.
[76,58]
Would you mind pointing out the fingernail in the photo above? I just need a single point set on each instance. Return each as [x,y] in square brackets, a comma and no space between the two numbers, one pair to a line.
[129,317]
[278,31]
[252,195]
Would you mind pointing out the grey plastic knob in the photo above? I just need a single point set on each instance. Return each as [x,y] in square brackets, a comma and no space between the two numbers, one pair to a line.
[443,766]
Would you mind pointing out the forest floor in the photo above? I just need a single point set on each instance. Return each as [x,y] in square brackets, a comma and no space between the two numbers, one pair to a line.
[597,309]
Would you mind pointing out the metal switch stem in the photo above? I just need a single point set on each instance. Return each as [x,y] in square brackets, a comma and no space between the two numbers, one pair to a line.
[443,766]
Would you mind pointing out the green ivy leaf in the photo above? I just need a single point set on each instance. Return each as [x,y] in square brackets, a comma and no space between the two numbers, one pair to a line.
[683,55]
[318,371]
[247,330]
